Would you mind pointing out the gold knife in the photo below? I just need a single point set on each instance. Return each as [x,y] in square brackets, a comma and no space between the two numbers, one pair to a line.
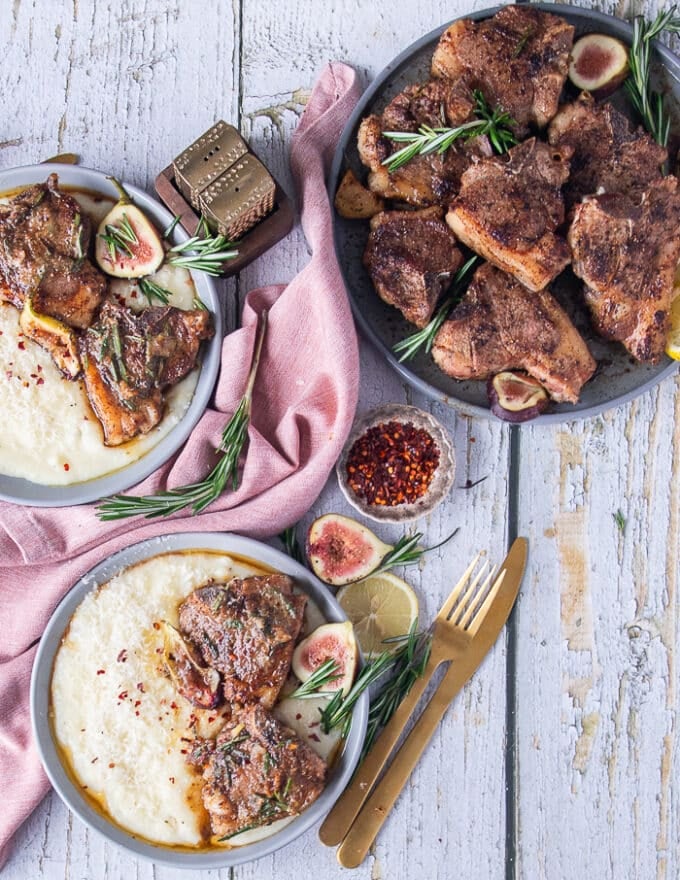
[61,159]
[369,821]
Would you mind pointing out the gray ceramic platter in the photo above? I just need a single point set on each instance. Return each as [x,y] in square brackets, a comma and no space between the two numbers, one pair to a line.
[42,674]
[23,491]
[618,377]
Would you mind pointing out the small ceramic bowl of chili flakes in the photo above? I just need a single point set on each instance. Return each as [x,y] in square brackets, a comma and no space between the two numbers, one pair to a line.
[397,465]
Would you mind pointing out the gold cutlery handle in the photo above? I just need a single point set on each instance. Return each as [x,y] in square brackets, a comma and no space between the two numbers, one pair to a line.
[340,818]
[369,821]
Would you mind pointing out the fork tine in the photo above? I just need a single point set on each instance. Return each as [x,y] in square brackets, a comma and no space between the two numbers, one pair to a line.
[448,605]
[493,592]
[476,600]
[459,610]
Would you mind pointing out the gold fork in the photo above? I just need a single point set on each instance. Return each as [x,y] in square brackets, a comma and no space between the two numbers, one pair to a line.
[454,627]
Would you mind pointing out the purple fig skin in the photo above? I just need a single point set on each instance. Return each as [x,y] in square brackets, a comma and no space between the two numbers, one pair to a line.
[332,641]
[525,413]
[599,65]
[340,550]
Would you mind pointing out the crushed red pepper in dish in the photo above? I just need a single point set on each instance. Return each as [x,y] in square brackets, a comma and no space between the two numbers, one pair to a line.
[392,463]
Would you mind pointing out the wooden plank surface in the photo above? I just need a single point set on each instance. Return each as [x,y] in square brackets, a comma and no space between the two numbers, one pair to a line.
[594,695]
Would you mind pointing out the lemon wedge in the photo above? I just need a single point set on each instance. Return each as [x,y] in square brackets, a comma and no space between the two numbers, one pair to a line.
[380,607]
[673,341]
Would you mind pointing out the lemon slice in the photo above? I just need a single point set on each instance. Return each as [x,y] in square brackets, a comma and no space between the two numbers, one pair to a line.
[380,607]
[673,341]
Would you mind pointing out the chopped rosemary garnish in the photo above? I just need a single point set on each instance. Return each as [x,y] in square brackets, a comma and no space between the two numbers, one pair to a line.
[406,664]
[496,124]
[409,347]
[291,545]
[119,238]
[167,232]
[202,251]
[407,552]
[522,42]
[152,291]
[328,671]
[647,102]
[199,305]
[197,495]
[239,831]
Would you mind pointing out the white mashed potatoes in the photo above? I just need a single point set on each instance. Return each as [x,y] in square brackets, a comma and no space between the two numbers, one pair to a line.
[123,730]
[49,434]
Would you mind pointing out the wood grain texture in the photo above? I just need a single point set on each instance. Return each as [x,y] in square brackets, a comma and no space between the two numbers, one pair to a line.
[594,638]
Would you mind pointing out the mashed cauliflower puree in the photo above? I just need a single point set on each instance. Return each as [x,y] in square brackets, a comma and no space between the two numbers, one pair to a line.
[49,433]
[122,729]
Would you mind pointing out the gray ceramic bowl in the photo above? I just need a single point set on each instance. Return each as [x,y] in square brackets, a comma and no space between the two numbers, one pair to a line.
[42,674]
[618,378]
[25,492]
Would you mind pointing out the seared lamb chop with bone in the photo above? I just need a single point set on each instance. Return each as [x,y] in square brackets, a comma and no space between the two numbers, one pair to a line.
[626,251]
[500,325]
[411,257]
[508,210]
[518,58]
[130,358]
[607,154]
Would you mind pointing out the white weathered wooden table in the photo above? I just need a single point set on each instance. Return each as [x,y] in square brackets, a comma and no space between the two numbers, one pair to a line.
[560,760]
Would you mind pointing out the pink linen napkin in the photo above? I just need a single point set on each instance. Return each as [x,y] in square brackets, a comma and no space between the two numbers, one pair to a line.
[303,405]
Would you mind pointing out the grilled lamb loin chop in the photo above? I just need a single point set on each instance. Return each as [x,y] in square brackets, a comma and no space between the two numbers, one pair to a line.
[500,325]
[519,59]
[130,358]
[258,771]
[608,155]
[626,252]
[246,629]
[411,257]
[509,207]
[425,180]
[43,239]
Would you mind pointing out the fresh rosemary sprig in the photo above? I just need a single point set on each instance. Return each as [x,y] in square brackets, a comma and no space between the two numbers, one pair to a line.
[152,291]
[647,102]
[409,347]
[407,552]
[119,237]
[291,545]
[325,673]
[406,664]
[197,495]
[202,251]
[496,124]
[167,232]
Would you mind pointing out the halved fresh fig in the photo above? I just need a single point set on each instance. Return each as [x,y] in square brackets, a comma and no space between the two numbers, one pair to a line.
[127,244]
[354,202]
[516,397]
[56,338]
[200,685]
[332,641]
[340,550]
[599,64]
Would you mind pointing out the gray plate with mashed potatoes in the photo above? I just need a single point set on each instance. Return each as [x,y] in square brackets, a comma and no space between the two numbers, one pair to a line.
[109,728]
[51,447]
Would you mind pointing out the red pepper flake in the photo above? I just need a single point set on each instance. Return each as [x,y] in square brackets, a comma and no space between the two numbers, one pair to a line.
[39,368]
[21,345]
[315,724]
[94,760]
[123,695]
[172,779]
[39,381]
[67,466]
[314,737]
[122,656]
[156,625]
[298,716]
[140,686]
[138,703]
[9,374]
[392,463]
[101,672]
[211,718]
[173,705]
[111,766]
[137,714]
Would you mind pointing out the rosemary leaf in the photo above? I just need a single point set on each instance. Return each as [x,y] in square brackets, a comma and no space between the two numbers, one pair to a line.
[407,552]
[409,347]
[197,495]
[291,545]
[152,291]
[328,671]
[203,251]
[167,232]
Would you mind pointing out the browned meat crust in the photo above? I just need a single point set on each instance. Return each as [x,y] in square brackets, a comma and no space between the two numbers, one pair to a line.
[258,772]
[519,59]
[626,252]
[247,630]
[509,207]
[411,257]
[43,239]
[500,325]
[128,360]
[425,180]
[608,155]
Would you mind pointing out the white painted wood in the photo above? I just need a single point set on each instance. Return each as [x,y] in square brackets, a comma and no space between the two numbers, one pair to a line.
[127,84]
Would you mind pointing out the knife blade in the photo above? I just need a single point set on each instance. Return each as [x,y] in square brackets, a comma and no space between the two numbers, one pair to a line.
[370,819]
